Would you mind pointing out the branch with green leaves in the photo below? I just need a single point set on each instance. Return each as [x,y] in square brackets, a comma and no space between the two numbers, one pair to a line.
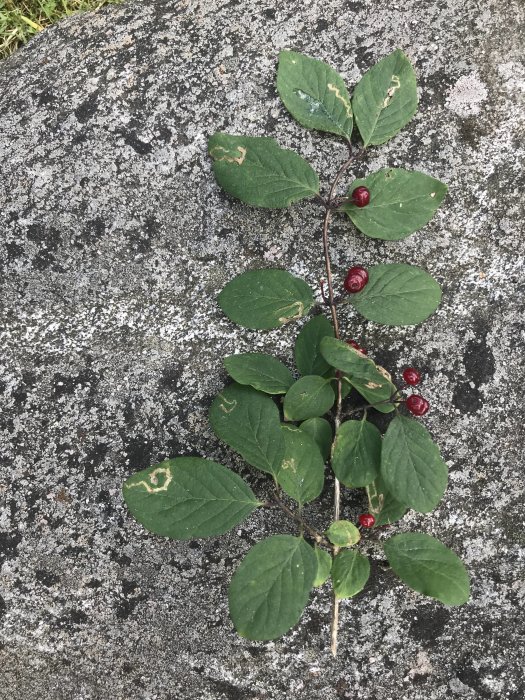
[296,425]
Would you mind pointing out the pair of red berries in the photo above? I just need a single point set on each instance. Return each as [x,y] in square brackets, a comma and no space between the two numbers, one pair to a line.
[416,404]
[357,277]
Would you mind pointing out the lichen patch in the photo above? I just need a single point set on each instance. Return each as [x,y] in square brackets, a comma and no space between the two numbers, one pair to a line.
[467,95]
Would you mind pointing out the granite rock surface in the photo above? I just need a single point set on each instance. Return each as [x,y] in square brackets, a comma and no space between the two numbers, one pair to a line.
[115,241]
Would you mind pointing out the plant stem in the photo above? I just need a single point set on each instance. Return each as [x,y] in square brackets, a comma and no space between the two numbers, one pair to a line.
[391,399]
[337,419]
[326,248]
[304,525]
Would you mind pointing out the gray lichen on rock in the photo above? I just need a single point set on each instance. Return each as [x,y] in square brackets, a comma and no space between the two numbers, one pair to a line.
[115,243]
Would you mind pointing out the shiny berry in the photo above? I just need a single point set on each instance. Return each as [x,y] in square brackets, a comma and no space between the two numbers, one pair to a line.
[367,520]
[360,196]
[356,346]
[417,405]
[356,279]
[412,376]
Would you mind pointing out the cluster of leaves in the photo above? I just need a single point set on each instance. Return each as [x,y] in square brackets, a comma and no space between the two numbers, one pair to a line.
[282,423]
[189,497]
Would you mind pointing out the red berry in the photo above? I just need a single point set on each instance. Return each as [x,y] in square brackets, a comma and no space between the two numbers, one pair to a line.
[360,196]
[356,346]
[367,520]
[356,279]
[412,376]
[417,405]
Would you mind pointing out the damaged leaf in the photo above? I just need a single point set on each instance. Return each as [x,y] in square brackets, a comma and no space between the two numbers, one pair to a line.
[314,94]
[265,299]
[258,172]
[385,99]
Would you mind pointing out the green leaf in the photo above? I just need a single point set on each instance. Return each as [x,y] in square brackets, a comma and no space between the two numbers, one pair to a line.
[343,533]
[378,395]
[249,423]
[343,356]
[411,465]
[385,99]
[321,431]
[263,299]
[188,497]
[309,397]
[324,566]
[308,356]
[314,94]
[263,372]
[370,380]
[301,475]
[383,505]
[356,456]
[397,295]
[271,587]
[258,172]
[428,567]
[350,572]
[401,202]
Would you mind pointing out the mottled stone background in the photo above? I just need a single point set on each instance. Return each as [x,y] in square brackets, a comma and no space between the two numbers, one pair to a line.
[115,241]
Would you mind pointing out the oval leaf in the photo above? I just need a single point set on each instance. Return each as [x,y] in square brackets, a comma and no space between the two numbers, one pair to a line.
[350,572]
[263,299]
[314,94]
[370,380]
[343,356]
[401,202]
[308,397]
[356,455]
[324,566]
[397,295]
[321,431]
[258,172]
[271,587]
[378,395]
[385,99]
[411,465]
[308,356]
[263,372]
[428,567]
[301,475]
[383,505]
[249,423]
[188,497]
[343,533]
